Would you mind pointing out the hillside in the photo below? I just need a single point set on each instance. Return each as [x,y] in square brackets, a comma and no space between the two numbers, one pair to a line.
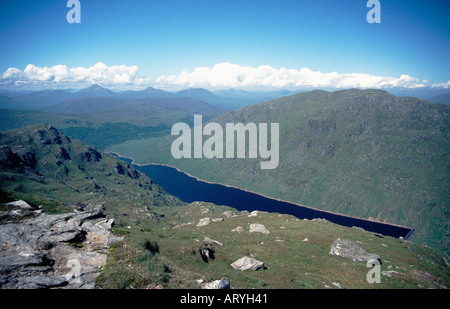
[364,153]
[163,243]
[41,165]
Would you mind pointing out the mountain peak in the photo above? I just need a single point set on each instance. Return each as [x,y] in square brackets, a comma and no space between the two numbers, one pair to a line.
[196,91]
[94,89]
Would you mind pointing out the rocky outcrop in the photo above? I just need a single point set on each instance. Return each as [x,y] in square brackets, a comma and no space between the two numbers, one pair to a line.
[55,251]
[16,211]
[247,263]
[19,158]
[349,249]
[91,154]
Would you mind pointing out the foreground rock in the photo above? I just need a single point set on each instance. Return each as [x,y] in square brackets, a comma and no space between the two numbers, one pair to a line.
[54,251]
[222,284]
[258,228]
[349,249]
[247,263]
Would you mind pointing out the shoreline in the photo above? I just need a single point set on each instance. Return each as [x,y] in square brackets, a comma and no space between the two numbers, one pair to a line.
[260,194]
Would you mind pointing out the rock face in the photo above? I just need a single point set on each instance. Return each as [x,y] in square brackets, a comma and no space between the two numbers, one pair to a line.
[349,249]
[54,251]
[247,263]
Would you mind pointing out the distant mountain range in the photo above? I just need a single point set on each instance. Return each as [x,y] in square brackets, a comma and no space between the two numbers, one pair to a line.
[36,100]
[229,99]
[99,116]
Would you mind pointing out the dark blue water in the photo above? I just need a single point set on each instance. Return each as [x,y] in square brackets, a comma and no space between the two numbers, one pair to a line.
[189,189]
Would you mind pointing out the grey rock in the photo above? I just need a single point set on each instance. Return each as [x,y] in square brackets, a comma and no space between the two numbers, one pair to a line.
[40,252]
[208,240]
[258,228]
[254,213]
[247,263]
[389,273]
[204,221]
[16,210]
[40,282]
[20,204]
[222,284]
[348,249]
[228,214]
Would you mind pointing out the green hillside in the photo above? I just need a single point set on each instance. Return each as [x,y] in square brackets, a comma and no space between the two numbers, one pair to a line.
[364,153]
[45,167]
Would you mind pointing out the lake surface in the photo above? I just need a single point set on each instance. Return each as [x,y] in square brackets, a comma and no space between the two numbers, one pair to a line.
[190,189]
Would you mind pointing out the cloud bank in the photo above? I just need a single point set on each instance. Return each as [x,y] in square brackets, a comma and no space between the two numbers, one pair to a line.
[221,76]
[444,85]
[60,76]
[227,75]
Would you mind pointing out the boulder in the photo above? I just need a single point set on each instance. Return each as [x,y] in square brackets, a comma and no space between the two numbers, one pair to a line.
[254,213]
[350,250]
[258,228]
[20,204]
[204,221]
[222,284]
[247,263]
[228,214]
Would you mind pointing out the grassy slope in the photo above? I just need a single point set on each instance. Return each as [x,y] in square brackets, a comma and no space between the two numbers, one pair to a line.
[295,254]
[362,153]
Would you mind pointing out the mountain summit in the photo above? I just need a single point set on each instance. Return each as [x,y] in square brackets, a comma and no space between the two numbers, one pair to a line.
[94,91]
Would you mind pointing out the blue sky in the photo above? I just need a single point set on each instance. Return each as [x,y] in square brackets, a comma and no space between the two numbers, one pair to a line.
[165,38]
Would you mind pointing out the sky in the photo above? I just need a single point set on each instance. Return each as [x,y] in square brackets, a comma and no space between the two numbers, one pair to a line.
[221,44]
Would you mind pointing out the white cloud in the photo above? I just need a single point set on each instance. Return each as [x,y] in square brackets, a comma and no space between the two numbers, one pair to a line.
[60,76]
[444,85]
[222,75]
[228,75]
